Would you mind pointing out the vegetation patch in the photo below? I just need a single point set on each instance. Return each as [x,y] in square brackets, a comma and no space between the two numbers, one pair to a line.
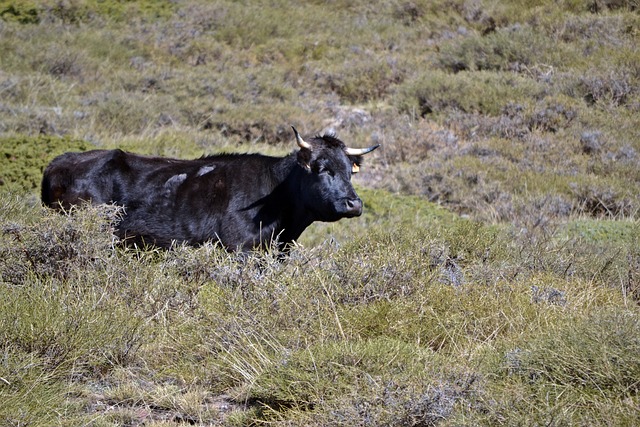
[434,320]
[79,11]
[486,93]
[23,159]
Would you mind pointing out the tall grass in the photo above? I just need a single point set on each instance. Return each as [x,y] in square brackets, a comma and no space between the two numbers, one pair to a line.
[456,322]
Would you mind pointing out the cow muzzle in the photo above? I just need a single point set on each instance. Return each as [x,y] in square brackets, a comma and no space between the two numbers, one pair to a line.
[352,207]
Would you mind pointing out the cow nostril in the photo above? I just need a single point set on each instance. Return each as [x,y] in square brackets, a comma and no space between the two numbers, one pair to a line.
[354,205]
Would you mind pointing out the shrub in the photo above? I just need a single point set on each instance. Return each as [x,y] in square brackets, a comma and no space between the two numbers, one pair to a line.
[366,78]
[612,91]
[510,49]
[56,246]
[485,93]
[22,13]
[552,115]
[79,11]
[602,201]
[23,159]
[599,5]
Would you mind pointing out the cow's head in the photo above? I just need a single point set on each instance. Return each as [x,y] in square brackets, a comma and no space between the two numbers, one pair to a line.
[327,191]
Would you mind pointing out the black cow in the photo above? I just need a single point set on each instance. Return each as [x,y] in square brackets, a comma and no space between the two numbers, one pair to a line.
[242,201]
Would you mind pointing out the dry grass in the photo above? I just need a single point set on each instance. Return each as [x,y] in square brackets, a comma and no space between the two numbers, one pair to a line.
[457,322]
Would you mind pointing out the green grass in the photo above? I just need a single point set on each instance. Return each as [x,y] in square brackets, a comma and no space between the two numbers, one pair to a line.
[493,279]
[442,320]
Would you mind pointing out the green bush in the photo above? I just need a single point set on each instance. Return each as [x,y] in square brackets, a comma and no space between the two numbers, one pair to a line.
[23,13]
[487,93]
[587,359]
[509,49]
[79,11]
[23,159]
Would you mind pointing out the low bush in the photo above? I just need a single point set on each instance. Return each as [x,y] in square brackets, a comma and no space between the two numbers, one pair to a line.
[486,93]
[79,11]
[509,49]
[581,361]
[23,159]
[366,78]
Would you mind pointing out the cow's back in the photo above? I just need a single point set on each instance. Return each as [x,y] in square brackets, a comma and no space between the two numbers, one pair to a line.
[165,199]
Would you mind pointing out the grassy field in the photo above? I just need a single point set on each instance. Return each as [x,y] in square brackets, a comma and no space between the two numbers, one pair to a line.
[494,278]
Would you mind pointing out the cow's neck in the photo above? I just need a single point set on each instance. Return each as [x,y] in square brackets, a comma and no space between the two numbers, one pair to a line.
[282,213]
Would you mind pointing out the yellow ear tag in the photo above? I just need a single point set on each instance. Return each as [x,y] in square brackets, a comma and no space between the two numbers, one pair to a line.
[355,168]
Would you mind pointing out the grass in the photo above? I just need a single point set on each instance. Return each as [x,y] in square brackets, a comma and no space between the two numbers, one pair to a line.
[456,322]
[494,278]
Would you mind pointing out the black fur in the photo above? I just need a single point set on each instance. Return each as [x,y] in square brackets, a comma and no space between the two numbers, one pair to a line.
[241,200]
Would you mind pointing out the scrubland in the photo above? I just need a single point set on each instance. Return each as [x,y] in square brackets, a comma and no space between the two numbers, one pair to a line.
[494,278]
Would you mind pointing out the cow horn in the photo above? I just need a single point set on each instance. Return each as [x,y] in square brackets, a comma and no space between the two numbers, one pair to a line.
[301,142]
[360,151]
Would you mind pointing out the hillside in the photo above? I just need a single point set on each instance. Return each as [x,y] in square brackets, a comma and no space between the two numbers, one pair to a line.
[494,278]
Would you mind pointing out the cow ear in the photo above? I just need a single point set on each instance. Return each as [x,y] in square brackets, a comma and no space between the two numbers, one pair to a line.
[304,158]
[356,162]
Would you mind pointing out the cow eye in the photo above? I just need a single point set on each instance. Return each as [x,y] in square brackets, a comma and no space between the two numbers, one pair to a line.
[325,171]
